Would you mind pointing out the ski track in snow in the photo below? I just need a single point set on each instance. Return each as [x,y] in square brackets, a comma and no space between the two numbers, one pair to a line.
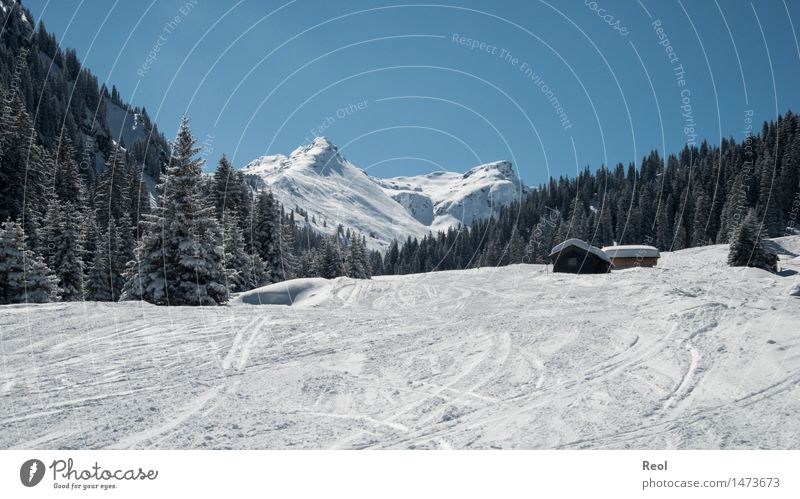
[691,354]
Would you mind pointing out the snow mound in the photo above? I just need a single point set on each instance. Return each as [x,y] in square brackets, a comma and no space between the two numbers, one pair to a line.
[787,245]
[296,292]
[795,290]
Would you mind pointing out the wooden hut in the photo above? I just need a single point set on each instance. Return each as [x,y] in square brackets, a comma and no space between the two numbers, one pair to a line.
[575,256]
[625,257]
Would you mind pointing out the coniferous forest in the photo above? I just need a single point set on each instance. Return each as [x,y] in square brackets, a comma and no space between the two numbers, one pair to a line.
[86,216]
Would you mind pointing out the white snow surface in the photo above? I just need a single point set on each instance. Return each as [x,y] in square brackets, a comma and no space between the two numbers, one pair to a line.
[318,179]
[630,251]
[690,354]
[124,125]
[296,292]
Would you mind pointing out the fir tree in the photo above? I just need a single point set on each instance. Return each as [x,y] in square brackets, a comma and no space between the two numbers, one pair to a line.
[770,197]
[699,235]
[111,195]
[288,266]
[229,192]
[69,186]
[24,276]
[237,262]
[62,239]
[356,263]
[179,260]
[266,234]
[102,283]
[747,249]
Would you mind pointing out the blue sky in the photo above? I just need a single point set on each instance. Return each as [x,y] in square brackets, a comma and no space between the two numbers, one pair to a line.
[405,89]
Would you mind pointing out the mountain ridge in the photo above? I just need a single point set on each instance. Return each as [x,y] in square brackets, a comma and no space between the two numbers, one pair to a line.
[318,179]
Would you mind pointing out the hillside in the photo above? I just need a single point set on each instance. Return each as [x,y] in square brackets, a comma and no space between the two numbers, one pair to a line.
[691,354]
[67,98]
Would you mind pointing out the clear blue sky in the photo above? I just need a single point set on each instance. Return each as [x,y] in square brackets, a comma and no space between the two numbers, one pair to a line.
[258,77]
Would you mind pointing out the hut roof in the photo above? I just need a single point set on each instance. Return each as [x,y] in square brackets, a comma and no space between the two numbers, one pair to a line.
[582,245]
[632,251]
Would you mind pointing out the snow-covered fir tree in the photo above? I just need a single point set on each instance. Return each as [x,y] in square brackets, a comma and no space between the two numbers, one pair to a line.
[24,276]
[746,247]
[356,262]
[237,262]
[229,192]
[105,279]
[62,248]
[179,260]
[266,234]
[289,264]
[112,190]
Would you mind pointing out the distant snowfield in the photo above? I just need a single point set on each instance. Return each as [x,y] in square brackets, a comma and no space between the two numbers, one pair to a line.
[691,354]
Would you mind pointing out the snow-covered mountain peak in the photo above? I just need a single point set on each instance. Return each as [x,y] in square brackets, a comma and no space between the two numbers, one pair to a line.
[316,178]
[495,169]
[321,155]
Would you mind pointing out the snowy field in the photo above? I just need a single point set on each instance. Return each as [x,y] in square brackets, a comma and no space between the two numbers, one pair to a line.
[692,354]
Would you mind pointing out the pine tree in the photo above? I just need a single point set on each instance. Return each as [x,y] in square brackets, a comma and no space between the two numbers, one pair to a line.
[102,283]
[356,263]
[139,198]
[701,218]
[329,263]
[111,196]
[288,259]
[770,197]
[236,260]
[179,260]
[679,239]
[69,186]
[605,230]
[229,192]
[747,249]
[24,277]
[664,225]
[266,234]
[62,240]
[25,167]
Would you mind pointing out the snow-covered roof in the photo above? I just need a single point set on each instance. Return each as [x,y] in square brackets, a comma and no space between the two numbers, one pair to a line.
[632,251]
[582,245]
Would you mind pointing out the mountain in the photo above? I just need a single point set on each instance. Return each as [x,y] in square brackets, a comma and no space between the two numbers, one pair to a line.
[445,199]
[316,179]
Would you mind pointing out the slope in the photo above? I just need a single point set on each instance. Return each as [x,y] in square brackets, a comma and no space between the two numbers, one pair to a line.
[691,354]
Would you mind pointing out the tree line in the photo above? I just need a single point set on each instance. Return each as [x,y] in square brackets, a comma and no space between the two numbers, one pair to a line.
[739,192]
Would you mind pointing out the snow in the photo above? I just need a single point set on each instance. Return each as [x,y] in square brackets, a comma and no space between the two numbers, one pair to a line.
[690,354]
[316,178]
[297,292]
[794,290]
[456,198]
[123,124]
[582,245]
[631,251]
